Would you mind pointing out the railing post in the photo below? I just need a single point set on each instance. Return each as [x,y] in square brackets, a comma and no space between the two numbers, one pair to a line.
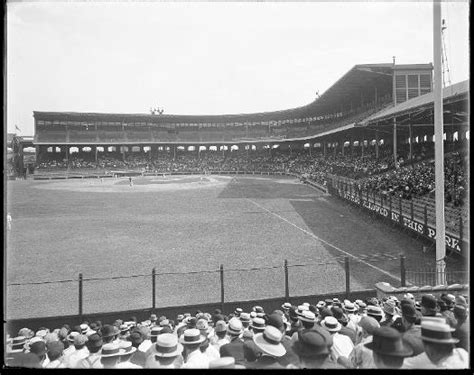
[411,209]
[287,286]
[348,281]
[222,287]
[153,288]
[80,297]
[402,270]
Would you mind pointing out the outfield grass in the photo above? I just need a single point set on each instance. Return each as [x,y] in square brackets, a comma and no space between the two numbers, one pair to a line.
[109,229]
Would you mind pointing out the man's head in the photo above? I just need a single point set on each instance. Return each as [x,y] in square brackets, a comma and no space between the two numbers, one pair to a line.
[55,350]
[437,338]
[80,341]
[94,343]
[429,306]
[388,348]
[312,347]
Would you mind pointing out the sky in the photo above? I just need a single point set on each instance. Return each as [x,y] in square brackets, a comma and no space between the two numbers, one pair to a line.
[208,57]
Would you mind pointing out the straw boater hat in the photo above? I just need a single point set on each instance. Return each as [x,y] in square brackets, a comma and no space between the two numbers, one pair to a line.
[203,326]
[286,306]
[191,336]
[331,324]
[349,307]
[72,335]
[270,342]
[436,330]
[234,327]
[321,304]
[167,345]
[300,309]
[374,311]
[17,344]
[388,341]
[110,350]
[307,316]
[245,318]
[126,347]
[258,324]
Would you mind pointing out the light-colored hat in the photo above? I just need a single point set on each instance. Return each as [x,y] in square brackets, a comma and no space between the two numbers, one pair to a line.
[270,341]
[155,331]
[409,296]
[374,311]
[190,336]
[72,335]
[349,307]
[126,347]
[331,324]
[320,304]
[203,326]
[110,350]
[286,306]
[80,340]
[245,317]
[258,324]
[434,329]
[167,345]
[305,304]
[234,328]
[223,362]
[221,326]
[42,333]
[301,308]
[307,316]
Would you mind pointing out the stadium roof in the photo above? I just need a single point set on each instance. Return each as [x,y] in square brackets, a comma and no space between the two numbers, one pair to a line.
[451,93]
[360,81]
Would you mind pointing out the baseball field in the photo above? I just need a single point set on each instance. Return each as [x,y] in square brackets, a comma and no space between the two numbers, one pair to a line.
[185,227]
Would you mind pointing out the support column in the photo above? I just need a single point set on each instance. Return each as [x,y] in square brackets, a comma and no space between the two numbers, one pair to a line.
[324,148]
[362,148]
[334,148]
[342,148]
[395,141]
[95,151]
[410,138]
[352,146]
[174,152]
[376,144]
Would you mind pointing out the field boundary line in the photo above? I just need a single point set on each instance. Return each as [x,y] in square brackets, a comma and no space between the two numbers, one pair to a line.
[323,241]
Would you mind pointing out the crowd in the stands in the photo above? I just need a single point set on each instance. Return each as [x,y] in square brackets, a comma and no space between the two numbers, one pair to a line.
[419,179]
[426,333]
[407,179]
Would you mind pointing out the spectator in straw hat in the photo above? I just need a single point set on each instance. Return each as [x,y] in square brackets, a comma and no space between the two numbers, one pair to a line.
[269,343]
[110,355]
[388,348]
[71,348]
[224,363]
[167,353]
[440,352]
[462,327]
[15,348]
[245,319]
[361,357]
[308,320]
[193,357]
[389,313]
[257,325]
[209,350]
[235,348]
[127,351]
[375,312]
[411,330]
[55,353]
[313,349]
[277,320]
[220,334]
[342,345]
[124,332]
[80,353]
[94,345]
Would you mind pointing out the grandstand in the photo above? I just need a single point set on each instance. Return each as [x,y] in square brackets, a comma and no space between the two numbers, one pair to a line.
[363,151]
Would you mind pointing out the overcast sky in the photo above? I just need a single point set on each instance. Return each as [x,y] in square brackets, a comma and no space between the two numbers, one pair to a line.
[207,58]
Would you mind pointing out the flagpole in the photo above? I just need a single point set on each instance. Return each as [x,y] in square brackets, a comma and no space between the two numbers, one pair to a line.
[439,147]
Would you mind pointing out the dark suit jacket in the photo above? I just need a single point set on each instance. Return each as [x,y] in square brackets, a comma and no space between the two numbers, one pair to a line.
[462,334]
[234,349]
[265,363]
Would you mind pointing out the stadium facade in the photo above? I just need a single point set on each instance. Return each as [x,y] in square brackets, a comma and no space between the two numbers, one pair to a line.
[370,105]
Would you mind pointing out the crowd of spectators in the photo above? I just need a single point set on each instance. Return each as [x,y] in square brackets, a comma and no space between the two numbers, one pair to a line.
[407,179]
[419,179]
[429,333]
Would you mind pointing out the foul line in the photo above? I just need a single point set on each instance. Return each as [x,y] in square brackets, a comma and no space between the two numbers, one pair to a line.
[323,241]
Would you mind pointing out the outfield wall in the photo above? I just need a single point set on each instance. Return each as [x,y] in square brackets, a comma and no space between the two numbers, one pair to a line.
[14,325]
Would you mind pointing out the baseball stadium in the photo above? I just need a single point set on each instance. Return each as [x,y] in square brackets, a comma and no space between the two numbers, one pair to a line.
[126,229]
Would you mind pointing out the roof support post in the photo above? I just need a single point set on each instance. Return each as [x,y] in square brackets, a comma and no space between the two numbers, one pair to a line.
[410,139]
[395,142]
[376,144]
